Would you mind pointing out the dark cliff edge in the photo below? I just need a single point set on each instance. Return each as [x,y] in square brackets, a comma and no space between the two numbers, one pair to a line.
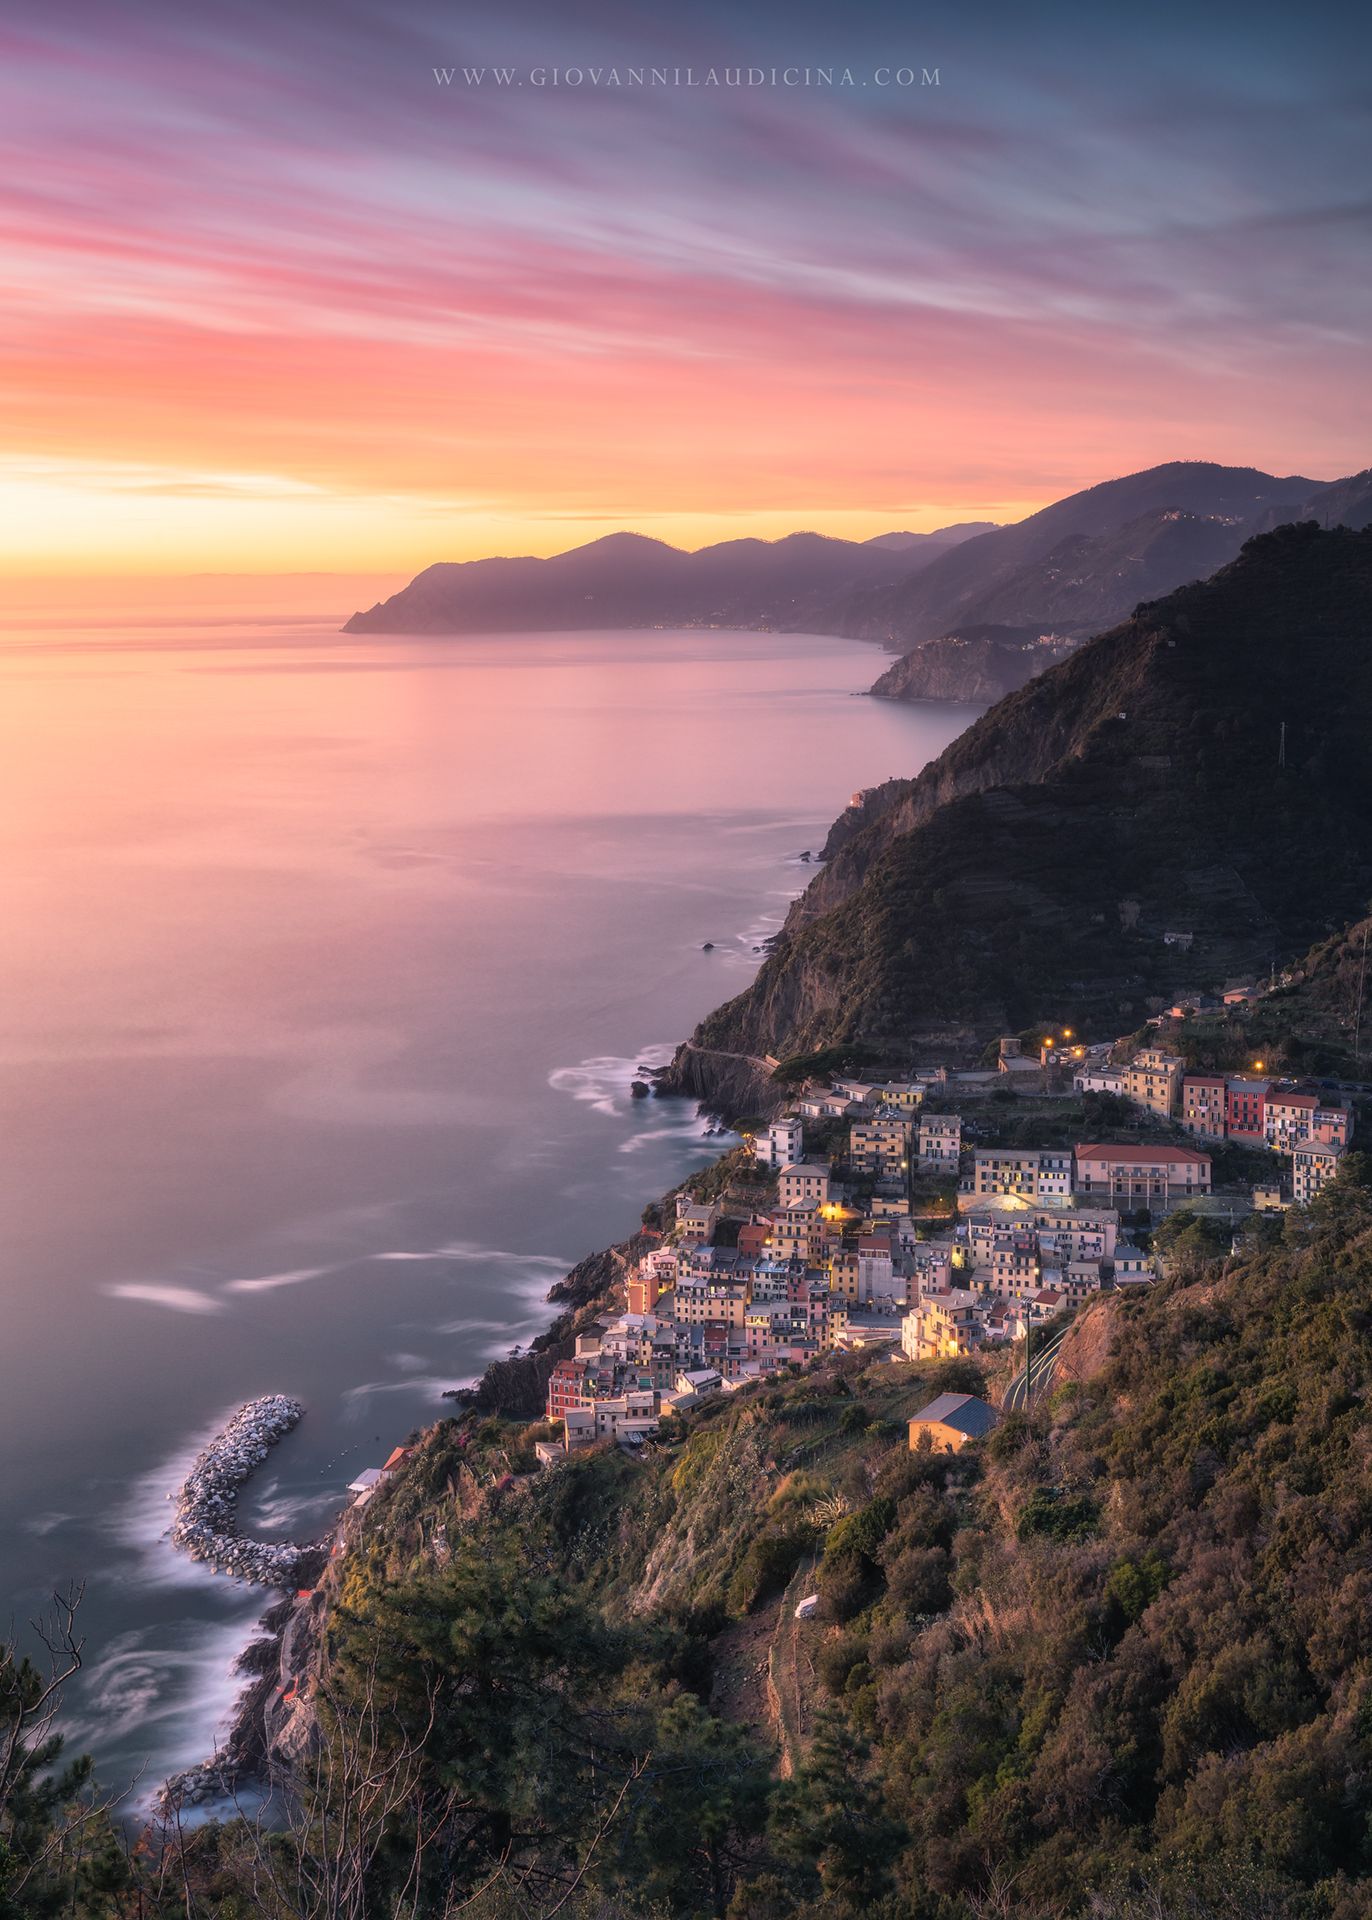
[1180,800]
[973,666]
[731,1085]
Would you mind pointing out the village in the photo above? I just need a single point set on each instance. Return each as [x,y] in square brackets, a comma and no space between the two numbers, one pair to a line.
[889,1214]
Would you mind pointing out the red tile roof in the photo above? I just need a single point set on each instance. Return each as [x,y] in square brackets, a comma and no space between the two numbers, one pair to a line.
[1159,1156]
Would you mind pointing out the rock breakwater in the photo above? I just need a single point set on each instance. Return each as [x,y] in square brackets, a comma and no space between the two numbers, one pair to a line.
[206,1523]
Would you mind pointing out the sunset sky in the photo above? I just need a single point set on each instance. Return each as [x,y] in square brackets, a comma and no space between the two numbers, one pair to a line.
[274,299]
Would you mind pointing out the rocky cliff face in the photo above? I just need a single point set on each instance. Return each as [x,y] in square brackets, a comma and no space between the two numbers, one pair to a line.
[975,666]
[727,1083]
[1143,788]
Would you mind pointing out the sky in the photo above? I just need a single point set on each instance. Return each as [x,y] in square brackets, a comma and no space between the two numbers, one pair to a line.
[275,297]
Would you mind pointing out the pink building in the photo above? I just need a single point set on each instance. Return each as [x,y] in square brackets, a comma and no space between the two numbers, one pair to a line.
[1204,1105]
[1138,1178]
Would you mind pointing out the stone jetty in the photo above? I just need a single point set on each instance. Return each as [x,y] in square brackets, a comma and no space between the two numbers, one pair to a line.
[206,1523]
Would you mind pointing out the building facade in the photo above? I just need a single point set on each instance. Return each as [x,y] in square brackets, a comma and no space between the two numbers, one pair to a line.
[1204,1105]
[1313,1166]
[1135,1179]
[940,1142]
[783,1143]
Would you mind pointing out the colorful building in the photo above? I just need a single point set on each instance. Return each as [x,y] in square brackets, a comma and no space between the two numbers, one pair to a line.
[1204,1105]
[1137,1179]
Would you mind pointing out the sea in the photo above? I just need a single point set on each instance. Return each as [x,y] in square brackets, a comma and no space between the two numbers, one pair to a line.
[326,966]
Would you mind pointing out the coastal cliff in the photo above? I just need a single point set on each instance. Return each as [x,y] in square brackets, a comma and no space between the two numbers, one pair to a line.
[972,666]
[1176,802]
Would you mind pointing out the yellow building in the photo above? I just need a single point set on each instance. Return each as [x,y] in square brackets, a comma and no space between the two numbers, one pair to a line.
[1153,1079]
[949,1422]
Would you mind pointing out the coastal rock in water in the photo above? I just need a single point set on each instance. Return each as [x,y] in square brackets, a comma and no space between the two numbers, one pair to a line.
[206,1525]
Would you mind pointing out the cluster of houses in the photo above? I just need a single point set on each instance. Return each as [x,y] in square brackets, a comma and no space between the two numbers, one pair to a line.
[846,1257]
[849,1256]
[1301,1123]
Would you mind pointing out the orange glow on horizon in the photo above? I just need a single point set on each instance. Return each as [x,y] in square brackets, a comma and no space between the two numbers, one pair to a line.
[270,311]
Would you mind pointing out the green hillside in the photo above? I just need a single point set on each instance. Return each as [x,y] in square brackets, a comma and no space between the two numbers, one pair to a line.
[1112,1663]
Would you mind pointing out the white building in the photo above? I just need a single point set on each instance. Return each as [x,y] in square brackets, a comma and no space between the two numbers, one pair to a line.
[940,1142]
[784,1142]
[1313,1166]
[699,1380]
[1101,1079]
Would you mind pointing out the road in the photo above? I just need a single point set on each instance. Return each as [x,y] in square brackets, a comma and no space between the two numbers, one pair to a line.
[1020,1395]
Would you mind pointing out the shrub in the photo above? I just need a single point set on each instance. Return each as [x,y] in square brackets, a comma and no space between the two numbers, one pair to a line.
[1132,1586]
[919,1580]
[957,1376]
[845,1587]
[837,1658]
[1055,1516]
[859,1535]
[768,1564]
[1007,1439]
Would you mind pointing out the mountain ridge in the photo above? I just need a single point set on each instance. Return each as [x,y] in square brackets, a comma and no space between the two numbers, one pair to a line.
[1087,582]
[634,580]
[963,585]
[1132,790]
[1075,567]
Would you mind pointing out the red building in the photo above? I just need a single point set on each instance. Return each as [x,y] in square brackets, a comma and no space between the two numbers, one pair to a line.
[1246,1109]
[752,1239]
[568,1386]
[1332,1126]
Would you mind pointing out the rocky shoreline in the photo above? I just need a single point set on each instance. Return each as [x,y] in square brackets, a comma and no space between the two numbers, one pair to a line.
[206,1523]
[206,1528]
[271,1726]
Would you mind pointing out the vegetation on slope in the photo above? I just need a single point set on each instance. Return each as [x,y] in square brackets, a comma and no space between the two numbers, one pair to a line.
[1122,1657]
[1115,1662]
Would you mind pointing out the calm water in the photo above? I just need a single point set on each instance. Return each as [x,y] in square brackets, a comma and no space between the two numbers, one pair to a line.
[324,968]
